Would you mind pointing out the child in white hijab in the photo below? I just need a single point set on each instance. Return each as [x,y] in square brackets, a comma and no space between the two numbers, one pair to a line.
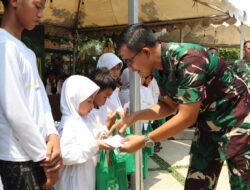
[114,64]
[78,143]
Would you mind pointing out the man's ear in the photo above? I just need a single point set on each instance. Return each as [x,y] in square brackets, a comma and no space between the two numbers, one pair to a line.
[146,50]
[13,3]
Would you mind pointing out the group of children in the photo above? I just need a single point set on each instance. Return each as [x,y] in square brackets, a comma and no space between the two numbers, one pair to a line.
[89,107]
[33,154]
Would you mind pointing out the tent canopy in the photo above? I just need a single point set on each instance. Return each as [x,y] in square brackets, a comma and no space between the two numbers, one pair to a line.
[89,14]
[220,36]
[100,13]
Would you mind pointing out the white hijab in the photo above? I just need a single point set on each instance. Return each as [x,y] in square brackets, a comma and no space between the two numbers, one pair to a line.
[78,144]
[108,60]
[75,90]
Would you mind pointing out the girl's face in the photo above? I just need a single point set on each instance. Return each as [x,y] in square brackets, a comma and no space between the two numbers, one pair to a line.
[86,106]
[116,71]
[102,96]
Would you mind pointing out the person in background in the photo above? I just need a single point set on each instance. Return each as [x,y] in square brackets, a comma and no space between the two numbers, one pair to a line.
[214,51]
[79,144]
[124,91]
[147,99]
[114,64]
[30,155]
[242,67]
[152,84]
[204,90]
[53,83]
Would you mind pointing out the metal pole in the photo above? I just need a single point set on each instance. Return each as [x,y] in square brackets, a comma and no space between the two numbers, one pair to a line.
[75,44]
[181,36]
[135,101]
[76,36]
[241,40]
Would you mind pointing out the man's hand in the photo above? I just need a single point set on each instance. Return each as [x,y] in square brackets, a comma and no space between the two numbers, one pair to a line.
[53,161]
[132,143]
[122,124]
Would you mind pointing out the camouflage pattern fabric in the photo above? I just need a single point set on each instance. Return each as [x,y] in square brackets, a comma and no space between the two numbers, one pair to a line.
[205,165]
[191,74]
[242,69]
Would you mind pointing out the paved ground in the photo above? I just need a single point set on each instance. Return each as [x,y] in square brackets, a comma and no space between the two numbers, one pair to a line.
[168,168]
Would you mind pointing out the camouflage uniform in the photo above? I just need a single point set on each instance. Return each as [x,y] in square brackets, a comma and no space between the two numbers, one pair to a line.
[190,74]
[242,69]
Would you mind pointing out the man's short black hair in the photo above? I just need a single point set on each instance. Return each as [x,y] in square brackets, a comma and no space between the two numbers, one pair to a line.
[136,37]
[103,78]
[246,42]
[5,3]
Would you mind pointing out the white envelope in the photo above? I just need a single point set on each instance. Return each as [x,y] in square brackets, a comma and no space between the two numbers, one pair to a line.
[114,141]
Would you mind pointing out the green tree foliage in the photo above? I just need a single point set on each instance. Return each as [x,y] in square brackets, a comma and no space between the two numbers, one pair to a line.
[230,54]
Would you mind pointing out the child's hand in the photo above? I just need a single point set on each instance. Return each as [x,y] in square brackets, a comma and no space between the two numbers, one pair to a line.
[51,180]
[101,135]
[111,117]
[104,146]
[53,161]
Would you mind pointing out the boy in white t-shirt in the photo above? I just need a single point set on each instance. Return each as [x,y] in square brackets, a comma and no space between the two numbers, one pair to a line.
[102,118]
[29,145]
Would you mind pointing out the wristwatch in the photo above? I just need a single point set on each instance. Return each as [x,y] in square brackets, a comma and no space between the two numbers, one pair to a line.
[148,141]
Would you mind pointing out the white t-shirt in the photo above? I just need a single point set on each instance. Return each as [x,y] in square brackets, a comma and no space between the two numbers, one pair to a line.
[146,99]
[113,102]
[155,90]
[25,113]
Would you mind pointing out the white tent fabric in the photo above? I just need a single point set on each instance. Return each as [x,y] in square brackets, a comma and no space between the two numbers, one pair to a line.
[103,13]
[218,36]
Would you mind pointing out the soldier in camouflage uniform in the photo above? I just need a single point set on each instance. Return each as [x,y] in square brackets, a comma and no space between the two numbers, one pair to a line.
[200,88]
[242,67]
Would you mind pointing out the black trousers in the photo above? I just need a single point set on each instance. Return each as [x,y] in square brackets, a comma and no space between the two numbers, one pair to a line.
[22,175]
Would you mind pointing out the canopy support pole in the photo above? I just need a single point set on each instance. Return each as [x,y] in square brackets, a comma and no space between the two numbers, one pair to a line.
[75,45]
[242,36]
[181,36]
[135,101]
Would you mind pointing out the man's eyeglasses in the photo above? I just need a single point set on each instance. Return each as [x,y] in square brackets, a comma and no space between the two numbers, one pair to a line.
[129,62]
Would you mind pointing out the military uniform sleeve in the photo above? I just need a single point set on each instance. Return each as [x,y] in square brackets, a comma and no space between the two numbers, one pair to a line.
[192,79]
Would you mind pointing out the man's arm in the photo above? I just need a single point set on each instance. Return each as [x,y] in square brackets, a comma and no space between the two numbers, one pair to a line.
[158,111]
[186,116]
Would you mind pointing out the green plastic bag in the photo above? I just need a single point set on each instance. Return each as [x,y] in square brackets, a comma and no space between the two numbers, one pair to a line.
[128,158]
[145,163]
[105,174]
[120,171]
[110,173]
